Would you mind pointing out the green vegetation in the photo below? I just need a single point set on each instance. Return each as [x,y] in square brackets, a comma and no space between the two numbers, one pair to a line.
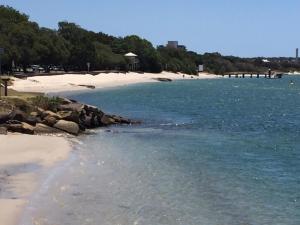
[46,103]
[71,47]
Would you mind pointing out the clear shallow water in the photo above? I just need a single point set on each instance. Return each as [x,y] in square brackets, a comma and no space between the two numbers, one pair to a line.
[211,152]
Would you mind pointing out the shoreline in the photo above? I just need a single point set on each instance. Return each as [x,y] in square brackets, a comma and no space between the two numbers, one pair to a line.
[24,160]
[75,82]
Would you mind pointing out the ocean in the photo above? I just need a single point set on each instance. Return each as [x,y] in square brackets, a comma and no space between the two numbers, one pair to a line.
[209,152]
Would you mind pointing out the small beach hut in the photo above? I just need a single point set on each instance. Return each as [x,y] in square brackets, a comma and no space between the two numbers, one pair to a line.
[133,61]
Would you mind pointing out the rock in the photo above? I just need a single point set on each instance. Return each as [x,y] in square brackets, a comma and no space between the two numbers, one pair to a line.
[35,114]
[49,113]
[40,111]
[3,130]
[32,120]
[78,107]
[44,129]
[92,109]
[69,116]
[13,122]
[50,120]
[121,120]
[86,122]
[20,115]
[107,120]
[163,79]
[68,126]
[6,111]
[23,128]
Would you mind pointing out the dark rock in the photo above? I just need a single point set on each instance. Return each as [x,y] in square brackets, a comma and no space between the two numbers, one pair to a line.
[32,120]
[87,122]
[121,120]
[20,115]
[163,79]
[87,86]
[68,126]
[13,122]
[50,120]
[23,128]
[69,116]
[44,129]
[107,120]
[92,109]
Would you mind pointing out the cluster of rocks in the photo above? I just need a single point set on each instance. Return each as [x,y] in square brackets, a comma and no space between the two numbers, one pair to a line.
[71,117]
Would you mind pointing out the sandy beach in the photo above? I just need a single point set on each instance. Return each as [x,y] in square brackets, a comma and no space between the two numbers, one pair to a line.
[70,82]
[23,161]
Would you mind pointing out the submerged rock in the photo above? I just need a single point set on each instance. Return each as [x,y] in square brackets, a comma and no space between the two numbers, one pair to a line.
[163,79]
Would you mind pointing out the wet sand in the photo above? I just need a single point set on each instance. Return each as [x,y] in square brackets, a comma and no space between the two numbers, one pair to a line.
[23,159]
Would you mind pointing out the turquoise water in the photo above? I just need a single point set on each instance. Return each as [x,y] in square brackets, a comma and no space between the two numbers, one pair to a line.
[211,152]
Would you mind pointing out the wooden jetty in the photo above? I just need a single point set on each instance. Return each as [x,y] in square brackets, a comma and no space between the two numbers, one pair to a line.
[274,75]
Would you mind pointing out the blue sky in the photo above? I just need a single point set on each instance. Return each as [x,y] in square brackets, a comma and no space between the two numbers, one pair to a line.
[232,27]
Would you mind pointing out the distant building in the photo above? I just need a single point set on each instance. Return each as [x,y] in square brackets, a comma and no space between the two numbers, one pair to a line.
[297,54]
[172,44]
[175,45]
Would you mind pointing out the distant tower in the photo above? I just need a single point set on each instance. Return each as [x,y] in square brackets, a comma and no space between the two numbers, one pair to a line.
[297,54]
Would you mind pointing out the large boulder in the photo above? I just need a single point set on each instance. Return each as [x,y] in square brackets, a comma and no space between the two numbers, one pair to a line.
[69,116]
[68,126]
[44,129]
[20,115]
[50,120]
[22,127]
[33,120]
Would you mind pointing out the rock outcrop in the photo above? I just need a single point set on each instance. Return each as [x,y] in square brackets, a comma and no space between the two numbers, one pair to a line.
[68,116]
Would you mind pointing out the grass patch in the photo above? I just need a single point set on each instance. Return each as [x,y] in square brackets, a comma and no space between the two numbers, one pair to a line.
[46,103]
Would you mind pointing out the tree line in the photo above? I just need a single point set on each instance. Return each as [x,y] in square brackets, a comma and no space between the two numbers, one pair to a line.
[71,47]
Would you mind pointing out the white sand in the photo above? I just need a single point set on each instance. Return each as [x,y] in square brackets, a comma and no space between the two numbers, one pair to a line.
[70,82]
[18,152]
